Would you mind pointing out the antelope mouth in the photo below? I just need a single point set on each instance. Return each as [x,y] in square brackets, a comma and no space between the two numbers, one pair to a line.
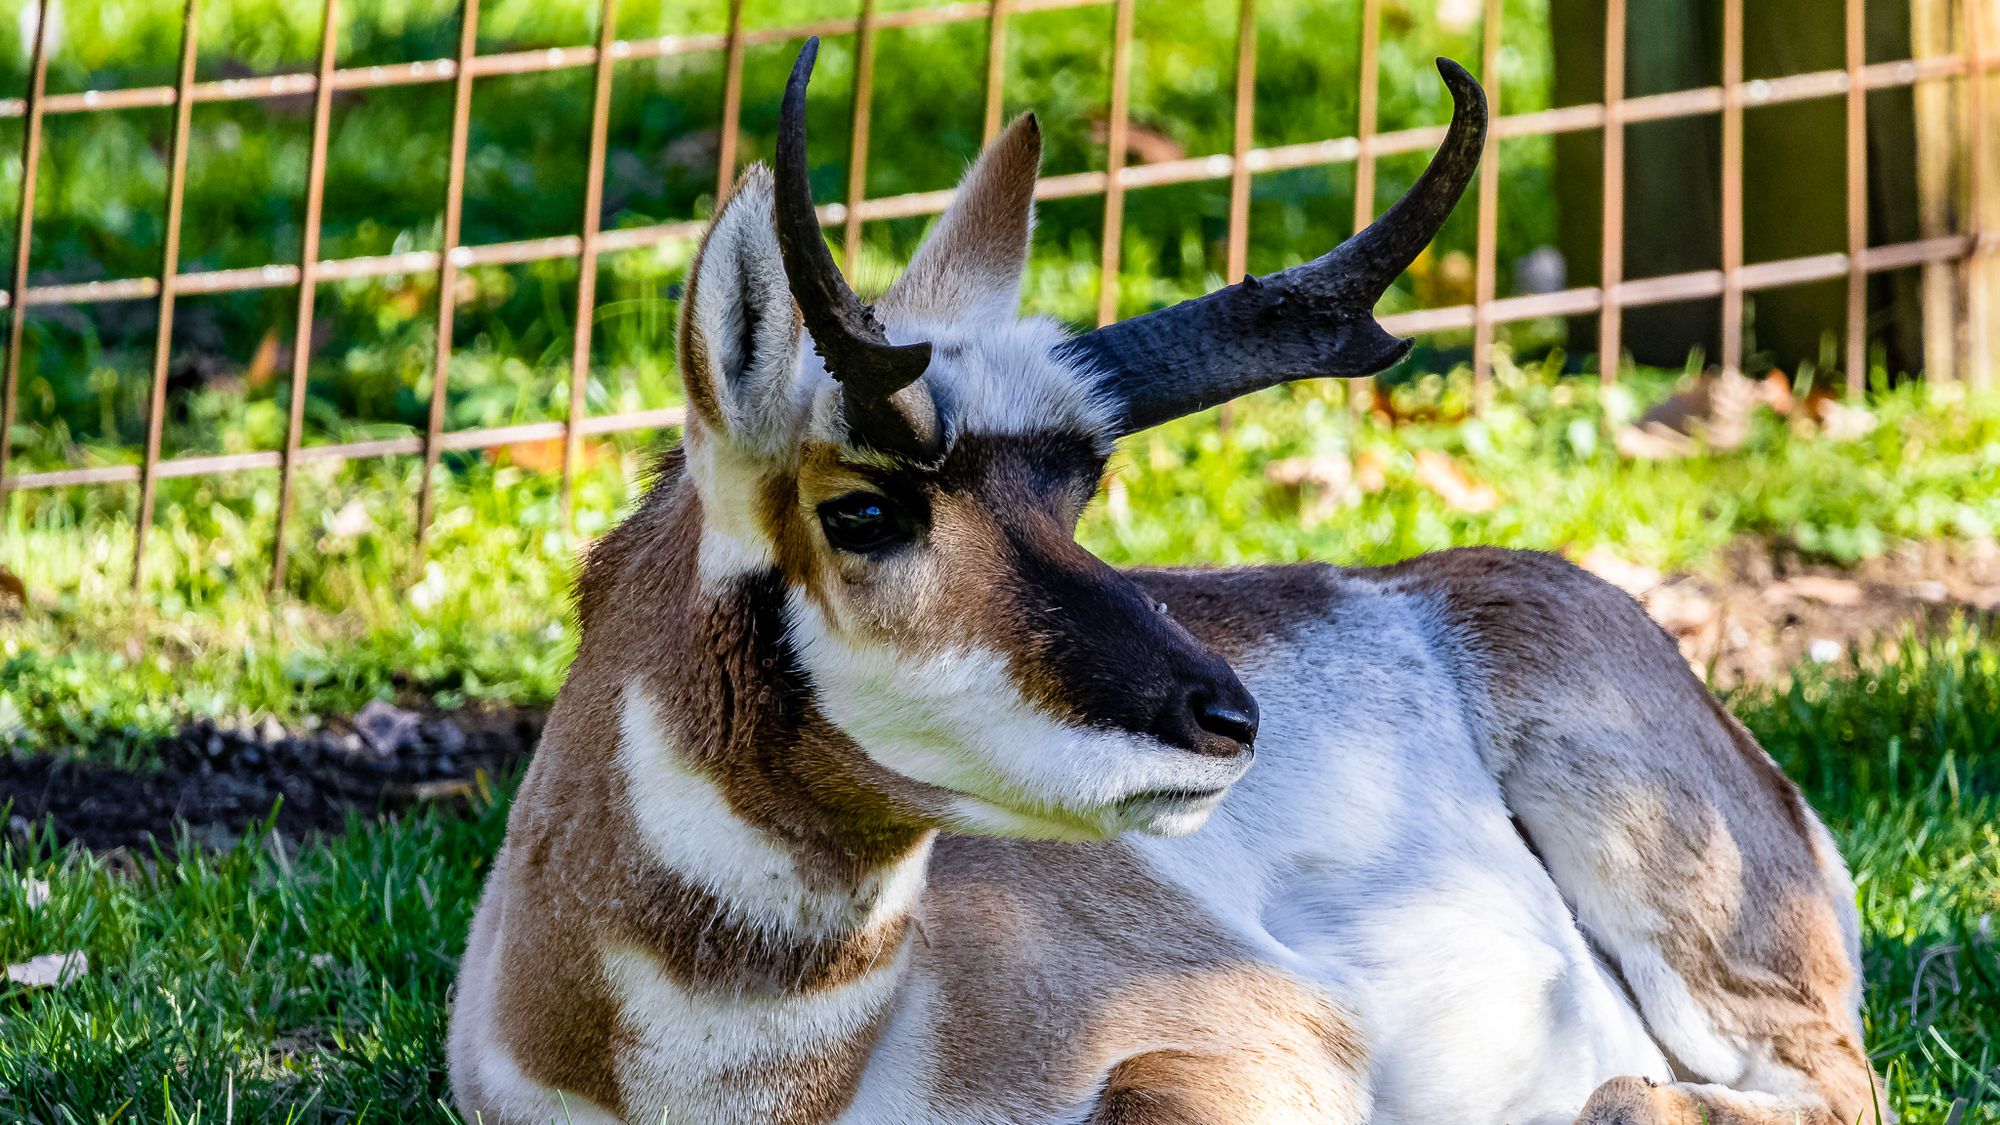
[1174,811]
[1176,796]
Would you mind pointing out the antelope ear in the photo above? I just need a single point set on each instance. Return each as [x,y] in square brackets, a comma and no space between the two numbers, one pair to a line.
[972,262]
[740,334]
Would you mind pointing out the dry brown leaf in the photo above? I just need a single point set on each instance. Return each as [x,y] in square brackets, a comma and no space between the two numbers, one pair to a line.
[1775,388]
[1652,441]
[1326,470]
[1815,587]
[546,456]
[1628,576]
[447,789]
[263,365]
[1680,610]
[1371,471]
[352,521]
[1453,483]
[1842,421]
[1682,412]
[408,299]
[1143,143]
[50,970]
[1716,408]
[11,586]
[1326,478]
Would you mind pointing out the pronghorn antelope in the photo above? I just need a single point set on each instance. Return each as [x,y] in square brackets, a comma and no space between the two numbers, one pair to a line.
[873,797]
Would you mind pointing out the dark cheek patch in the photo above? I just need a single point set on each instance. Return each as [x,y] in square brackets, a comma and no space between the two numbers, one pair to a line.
[1015,580]
[987,598]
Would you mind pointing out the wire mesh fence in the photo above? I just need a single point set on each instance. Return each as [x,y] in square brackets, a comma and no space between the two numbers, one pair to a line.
[1611,116]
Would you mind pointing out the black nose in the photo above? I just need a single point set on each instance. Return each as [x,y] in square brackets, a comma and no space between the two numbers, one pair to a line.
[1233,716]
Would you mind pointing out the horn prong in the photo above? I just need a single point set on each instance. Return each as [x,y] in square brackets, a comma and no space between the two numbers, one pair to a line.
[1315,319]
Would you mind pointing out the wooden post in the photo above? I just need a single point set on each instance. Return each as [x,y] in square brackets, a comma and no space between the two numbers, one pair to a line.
[1982,282]
[1938,118]
[1673,209]
[1672,212]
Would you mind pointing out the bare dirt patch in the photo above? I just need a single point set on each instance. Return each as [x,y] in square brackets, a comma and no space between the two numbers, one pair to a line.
[216,783]
[1763,610]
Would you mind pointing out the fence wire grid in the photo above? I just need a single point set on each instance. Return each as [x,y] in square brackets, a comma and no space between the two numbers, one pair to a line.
[1611,115]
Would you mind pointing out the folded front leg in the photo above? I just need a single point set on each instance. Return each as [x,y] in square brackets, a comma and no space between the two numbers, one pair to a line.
[1636,1101]
[1688,857]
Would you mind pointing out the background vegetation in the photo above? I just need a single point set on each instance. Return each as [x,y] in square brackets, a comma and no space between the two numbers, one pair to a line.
[101,201]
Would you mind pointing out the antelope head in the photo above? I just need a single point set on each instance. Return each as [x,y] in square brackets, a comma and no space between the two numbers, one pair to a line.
[909,476]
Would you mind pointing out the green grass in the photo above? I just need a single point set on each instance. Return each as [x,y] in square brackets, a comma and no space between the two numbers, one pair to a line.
[313,988]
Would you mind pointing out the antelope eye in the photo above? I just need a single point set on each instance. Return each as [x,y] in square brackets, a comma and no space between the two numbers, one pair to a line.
[864,522]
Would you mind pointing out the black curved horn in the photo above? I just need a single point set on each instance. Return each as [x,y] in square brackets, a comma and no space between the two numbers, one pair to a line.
[1312,320]
[871,370]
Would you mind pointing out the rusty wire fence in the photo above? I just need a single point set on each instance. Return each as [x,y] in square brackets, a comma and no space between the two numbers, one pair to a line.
[1612,115]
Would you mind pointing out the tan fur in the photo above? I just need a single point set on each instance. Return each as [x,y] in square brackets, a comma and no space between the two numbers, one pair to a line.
[1173,1020]
[570,882]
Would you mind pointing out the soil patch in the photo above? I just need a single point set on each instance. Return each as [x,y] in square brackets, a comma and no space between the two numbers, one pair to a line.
[216,783]
[1764,610]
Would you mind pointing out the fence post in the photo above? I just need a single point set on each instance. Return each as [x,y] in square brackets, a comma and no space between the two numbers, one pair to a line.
[1242,140]
[996,68]
[295,414]
[1361,392]
[586,266]
[24,230]
[170,254]
[857,145]
[1732,187]
[1485,285]
[1114,163]
[732,106]
[447,275]
[1611,253]
[1857,198]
